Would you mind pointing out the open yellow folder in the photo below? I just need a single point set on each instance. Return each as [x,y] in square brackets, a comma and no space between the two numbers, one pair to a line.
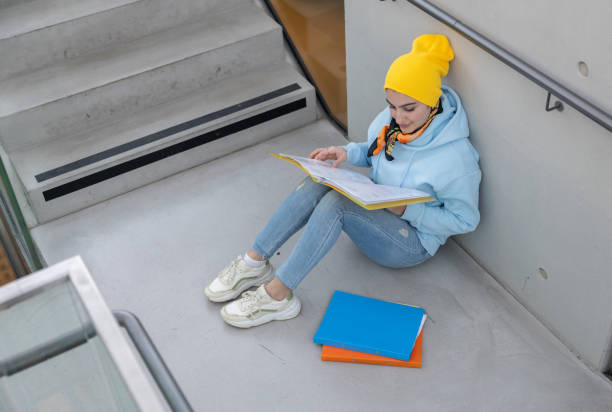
[357,187]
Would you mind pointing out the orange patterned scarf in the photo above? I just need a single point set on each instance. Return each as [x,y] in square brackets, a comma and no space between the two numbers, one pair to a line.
[389,134]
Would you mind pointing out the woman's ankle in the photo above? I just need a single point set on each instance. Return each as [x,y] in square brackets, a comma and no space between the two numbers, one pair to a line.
[254,255]
[277,289]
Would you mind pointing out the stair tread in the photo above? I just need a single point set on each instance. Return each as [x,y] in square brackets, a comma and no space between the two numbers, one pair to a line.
[34,15]
[43,86]
[134,134]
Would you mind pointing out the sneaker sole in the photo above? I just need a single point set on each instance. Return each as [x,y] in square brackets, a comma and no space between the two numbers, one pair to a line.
[235,293]
[289,313]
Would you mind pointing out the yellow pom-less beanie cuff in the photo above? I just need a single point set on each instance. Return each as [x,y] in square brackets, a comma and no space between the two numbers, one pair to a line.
[418,74]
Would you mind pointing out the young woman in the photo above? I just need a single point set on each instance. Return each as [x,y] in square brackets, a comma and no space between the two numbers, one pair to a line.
[419,141]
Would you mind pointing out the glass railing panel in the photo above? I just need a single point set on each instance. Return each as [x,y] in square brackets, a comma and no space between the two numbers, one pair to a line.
[7,274]
[15,236]
[83,378]
[61,349]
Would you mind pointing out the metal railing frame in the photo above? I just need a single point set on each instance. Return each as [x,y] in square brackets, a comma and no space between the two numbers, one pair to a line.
[553,87]
[155,363]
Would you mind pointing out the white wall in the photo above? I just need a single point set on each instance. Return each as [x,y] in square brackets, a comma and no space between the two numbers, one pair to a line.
[545,196]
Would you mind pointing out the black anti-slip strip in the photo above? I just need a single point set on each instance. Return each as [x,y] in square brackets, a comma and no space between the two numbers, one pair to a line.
[171,150]
[164,133]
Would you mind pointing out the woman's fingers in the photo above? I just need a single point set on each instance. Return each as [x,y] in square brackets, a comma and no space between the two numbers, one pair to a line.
[326,153]
[340,155]
[316,153]
[320,154]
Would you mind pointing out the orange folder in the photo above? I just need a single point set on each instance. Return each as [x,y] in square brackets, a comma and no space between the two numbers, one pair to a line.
[332,353]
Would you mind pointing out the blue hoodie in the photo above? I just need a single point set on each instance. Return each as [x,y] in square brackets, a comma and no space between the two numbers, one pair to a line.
[441,162]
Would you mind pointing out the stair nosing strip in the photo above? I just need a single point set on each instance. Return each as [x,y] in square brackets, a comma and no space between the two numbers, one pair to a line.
[134,144]
[141,161]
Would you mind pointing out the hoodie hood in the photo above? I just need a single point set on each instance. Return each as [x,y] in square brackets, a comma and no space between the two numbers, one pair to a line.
[441,162]
[446,127]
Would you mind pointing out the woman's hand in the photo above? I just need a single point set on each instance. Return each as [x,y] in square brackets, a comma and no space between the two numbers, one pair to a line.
[397,210]
[329,153]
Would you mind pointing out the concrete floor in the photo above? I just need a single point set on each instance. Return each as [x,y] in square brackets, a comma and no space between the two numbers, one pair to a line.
[153,250]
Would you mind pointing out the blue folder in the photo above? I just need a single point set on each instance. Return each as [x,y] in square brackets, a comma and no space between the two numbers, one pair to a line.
[370,325]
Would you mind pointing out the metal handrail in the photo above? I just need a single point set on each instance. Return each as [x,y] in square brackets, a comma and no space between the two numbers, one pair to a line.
[591,111]
[46,350]
[151,357]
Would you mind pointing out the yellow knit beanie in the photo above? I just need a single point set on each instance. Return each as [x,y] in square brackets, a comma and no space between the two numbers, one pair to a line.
[418,73]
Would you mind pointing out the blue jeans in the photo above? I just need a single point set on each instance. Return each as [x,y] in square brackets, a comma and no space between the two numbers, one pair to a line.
[384,237]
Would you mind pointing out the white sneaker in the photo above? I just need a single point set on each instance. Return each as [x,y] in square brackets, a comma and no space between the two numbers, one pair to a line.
[236,278]
[255,308]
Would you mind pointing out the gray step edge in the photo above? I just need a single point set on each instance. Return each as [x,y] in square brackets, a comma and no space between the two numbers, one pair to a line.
[96,145]
[83,196]
[31,16]
[92,33]
[81,66]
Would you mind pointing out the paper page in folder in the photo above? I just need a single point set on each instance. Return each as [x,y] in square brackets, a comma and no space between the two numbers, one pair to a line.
[354,184]
[325,171]
[372,193]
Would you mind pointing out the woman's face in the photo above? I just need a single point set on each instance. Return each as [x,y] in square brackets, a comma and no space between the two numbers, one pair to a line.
[408,113]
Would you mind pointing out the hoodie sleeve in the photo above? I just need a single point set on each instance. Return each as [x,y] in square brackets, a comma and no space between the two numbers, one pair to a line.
[455,212]
[357,153]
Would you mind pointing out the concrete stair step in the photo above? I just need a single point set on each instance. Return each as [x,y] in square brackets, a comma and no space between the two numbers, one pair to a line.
[92,90]
[25,17]
[8,3]
[69,174]
[40,33]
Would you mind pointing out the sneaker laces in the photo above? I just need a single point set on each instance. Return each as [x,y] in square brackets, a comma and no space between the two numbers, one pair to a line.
[227,275]
[249,300]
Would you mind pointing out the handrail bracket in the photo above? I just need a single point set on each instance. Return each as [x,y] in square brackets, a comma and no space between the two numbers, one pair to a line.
[558,105]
